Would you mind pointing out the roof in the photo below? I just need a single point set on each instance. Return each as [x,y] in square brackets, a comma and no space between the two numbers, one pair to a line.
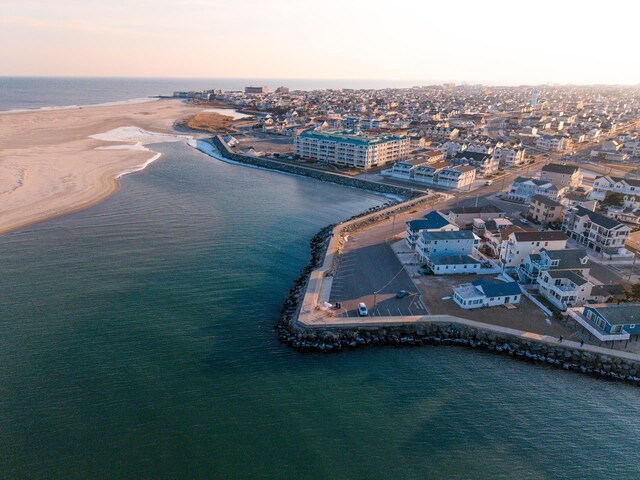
[432,221]
[545,200]
[449,235]
[452,260]
[618,313]
[475,156]
[596,218]
[571,275]
[607,290]
[548,236]
[560,168]
[463,168]
[473,210]
[568,258]
[414,161]
[350,136]
[497,289]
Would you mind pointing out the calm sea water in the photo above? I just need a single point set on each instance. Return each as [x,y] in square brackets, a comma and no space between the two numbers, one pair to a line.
[38,92]
[137,342]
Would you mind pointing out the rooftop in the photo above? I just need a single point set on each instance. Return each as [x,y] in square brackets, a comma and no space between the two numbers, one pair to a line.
[618,313]
[560,168]
[497,289]
[350,136]
[535,236]
[449,235]
[432,221]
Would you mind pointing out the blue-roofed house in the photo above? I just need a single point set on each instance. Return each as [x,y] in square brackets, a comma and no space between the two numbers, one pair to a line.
[486,293]
[609,321]
[433,222]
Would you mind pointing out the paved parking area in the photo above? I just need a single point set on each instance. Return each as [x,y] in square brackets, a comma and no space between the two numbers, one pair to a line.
[437,290]
[372,274]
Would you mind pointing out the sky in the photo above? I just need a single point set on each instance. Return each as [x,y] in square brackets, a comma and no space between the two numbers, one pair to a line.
[489,41]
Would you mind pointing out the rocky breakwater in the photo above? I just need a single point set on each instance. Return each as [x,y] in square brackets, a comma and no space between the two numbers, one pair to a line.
[325,176]
[560,355]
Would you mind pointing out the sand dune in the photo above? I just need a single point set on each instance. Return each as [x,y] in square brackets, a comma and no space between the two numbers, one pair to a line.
[56,161]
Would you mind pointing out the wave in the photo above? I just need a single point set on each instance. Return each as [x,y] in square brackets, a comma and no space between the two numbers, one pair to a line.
[139,167]
[73,107]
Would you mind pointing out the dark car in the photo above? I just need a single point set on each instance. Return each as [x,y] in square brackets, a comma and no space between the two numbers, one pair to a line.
[401,293]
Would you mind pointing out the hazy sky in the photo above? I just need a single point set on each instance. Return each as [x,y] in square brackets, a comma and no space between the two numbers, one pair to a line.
[496,41]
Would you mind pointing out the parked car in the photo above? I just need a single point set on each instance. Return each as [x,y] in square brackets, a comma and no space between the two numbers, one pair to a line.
[488,182]
[401,293]
[362,310]
[524,221]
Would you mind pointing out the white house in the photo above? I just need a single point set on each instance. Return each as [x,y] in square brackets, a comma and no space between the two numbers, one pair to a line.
[483,162]
[595,231]
[521,244]
[453,264]
[485,293]
[522,189]
[607,184]
[564,288]
[433,222]
[446,243]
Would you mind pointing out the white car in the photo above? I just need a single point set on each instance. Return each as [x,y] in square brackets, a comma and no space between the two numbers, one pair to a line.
[524,221]
[362,310]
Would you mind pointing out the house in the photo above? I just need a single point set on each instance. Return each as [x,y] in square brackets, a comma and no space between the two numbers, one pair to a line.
[597,232]
[623,214]
[544,210]
[442,174]
[564,288]
[609,321]
[522,189]
[453,264]
[463,216]
[509,157]
[575,259]
[452,242]
[406,168]
[523,243]
[432,222]
[575,199]
[555,143]
[565,175]
[606,184]
[485,293]
[483,162]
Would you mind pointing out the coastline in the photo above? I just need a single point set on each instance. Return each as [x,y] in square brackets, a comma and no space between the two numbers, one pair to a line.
[56,161]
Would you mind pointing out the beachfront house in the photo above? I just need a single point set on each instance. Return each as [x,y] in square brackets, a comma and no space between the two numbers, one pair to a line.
[486,293]
[453,242]
[609,321]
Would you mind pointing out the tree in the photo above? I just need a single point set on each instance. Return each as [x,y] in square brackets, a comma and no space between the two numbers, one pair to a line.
[633,293]
[613,199]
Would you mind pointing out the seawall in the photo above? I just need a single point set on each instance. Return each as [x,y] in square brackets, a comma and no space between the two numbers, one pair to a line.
[325,176]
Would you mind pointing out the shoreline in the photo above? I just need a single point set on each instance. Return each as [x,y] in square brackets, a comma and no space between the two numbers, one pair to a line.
[57,161]
[131,101]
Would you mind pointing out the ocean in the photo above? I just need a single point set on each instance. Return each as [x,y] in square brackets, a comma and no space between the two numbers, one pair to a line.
[138,342]
[46,92]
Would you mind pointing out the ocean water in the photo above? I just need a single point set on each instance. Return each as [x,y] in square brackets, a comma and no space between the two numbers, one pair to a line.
[40,92]
[138,342]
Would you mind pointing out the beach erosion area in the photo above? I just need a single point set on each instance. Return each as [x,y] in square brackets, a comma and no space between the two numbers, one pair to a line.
[55,161]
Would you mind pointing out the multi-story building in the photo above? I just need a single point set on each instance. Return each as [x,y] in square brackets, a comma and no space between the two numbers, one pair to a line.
[597,232]
[440,132]
[442,174]
[567,259]
[624,214]
[522,189]
[606,184]
[555,143]
[351,149]
[564,288]
[544,210]
[510,156]
[565,175]
[453,242]
[433,222]
[484,162]
[520,244]
[256,90]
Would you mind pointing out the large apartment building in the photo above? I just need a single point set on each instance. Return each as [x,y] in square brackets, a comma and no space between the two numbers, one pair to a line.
[595,231]
[351,149]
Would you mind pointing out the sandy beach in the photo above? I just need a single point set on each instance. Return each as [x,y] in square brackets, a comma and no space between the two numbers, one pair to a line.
[53,162]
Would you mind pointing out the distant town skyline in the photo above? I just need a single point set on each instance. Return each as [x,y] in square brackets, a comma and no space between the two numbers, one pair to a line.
[496,42]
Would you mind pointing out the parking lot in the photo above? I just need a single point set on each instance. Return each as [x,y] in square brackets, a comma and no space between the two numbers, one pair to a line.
[372,274]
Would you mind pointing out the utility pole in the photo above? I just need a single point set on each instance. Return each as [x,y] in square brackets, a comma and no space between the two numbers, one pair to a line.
[635,254]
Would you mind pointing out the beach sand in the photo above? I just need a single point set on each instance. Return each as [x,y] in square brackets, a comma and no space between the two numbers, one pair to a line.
[50,165]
